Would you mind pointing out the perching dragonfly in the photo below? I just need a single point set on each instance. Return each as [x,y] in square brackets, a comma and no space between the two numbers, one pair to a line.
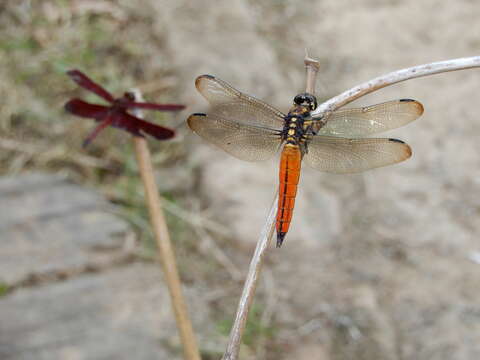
[252,130]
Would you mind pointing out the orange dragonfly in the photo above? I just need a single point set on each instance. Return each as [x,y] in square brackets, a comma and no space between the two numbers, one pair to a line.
[252,130]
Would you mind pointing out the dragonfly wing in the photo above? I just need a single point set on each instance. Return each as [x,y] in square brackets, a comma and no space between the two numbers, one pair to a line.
[246,142]
[84,81]
[233,104]
[139,127]
[340,155]
[84,109]
[371,119]
[153,106]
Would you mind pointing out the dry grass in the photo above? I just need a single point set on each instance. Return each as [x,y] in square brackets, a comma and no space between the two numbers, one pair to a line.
[40,41]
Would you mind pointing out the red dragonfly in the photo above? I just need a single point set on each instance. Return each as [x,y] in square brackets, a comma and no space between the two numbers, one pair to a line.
[116,114]
[252,130]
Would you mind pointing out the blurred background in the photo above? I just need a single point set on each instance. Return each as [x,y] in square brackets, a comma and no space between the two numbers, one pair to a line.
[379,265]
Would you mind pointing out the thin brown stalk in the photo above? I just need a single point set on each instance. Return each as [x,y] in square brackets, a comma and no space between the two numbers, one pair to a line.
[164,245]
[334,103]
[248,293]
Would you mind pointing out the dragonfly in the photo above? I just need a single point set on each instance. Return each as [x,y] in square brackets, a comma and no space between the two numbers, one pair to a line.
[116,113]
[252,130]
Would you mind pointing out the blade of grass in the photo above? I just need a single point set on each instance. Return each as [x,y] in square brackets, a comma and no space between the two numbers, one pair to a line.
[164,245]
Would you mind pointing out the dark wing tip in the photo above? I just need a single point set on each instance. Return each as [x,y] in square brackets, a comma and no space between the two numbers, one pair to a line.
[75,74]
[418,104]
[397,140]
[69,105]
[407,149]
[191,119]
[201,77]
[73,105]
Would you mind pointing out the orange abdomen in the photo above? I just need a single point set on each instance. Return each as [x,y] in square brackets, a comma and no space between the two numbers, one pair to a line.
[290,163]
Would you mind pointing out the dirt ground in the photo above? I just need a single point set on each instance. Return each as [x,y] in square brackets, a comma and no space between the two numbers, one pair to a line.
[379,265]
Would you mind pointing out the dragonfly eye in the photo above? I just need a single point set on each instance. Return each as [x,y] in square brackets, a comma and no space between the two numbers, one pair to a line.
[306,99]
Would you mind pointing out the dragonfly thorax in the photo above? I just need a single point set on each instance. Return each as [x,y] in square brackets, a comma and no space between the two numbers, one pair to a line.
[122,102]
[297,125]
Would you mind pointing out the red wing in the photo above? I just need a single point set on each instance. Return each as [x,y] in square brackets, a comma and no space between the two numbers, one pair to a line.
[84,81]
[139,127]
[340,155]
[83,109]
[229,103]
[159,107]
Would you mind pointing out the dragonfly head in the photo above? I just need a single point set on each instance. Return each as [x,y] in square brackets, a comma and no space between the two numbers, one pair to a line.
[307,100]
[122,102]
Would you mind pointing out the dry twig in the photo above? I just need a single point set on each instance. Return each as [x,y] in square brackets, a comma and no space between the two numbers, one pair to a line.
[396,77]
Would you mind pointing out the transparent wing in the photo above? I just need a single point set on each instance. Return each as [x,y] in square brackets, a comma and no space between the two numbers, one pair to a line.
[371,119]
[340,155]
[237,106]
[246,142]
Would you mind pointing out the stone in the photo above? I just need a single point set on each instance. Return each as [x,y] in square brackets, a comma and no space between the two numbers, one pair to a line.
[49,225]
[121,313]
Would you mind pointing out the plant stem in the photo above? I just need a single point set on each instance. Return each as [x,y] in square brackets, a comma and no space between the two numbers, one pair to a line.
[164,245]
[246,300]
[396,77]
[311,67]
[248,293]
